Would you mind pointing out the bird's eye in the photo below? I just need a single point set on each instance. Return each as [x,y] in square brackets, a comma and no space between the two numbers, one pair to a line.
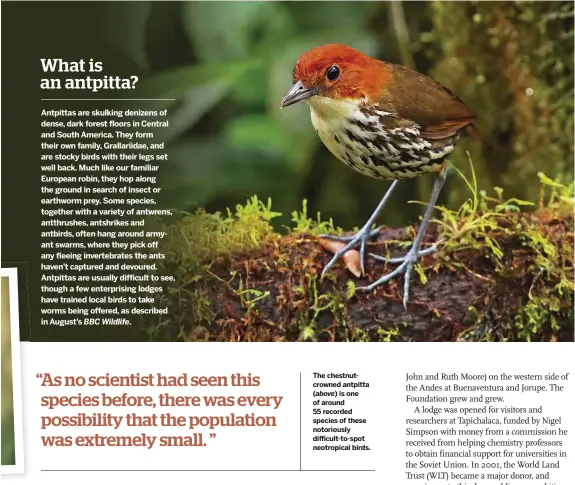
[332,73]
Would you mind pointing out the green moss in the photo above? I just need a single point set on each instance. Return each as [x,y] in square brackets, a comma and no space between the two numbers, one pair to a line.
[314,304]
[194,238]
[191,243]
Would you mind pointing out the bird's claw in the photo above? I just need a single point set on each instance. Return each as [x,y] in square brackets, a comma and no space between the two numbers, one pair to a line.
[424,252]
[406,267]
[361,237]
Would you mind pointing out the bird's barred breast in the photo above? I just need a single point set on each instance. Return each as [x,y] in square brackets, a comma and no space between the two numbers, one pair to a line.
[374,143]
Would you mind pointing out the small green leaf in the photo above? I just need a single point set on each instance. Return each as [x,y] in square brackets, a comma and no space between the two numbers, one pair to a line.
[350,293]
[421,273]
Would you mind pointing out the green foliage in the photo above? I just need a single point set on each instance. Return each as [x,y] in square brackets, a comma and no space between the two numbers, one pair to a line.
[477,219]
[303,223]
[556,195]
[192,239]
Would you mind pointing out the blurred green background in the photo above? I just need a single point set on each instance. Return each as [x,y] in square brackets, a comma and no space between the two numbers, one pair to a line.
[228,64]
[7,402]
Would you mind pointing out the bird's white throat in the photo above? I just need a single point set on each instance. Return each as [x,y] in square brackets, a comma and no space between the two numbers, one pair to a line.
[330,117]
[332,110]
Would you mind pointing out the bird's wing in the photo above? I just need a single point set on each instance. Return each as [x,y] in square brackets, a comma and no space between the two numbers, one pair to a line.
[418,98]
[446,129]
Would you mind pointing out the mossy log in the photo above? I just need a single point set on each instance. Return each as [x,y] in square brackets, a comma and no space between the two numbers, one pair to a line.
[272,291]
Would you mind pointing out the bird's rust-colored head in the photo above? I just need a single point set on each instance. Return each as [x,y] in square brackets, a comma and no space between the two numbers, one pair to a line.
[338,72]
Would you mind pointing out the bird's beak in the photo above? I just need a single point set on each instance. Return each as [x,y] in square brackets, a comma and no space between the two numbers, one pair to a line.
[297,93]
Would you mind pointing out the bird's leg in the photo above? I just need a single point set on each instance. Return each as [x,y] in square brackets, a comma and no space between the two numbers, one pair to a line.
[409,260]
[361,237]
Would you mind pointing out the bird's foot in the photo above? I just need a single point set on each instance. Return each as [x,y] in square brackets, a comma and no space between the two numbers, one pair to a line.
[361,237]
[407,263]
[425,252]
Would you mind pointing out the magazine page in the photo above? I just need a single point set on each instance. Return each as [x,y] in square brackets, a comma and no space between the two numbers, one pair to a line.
[267,242]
